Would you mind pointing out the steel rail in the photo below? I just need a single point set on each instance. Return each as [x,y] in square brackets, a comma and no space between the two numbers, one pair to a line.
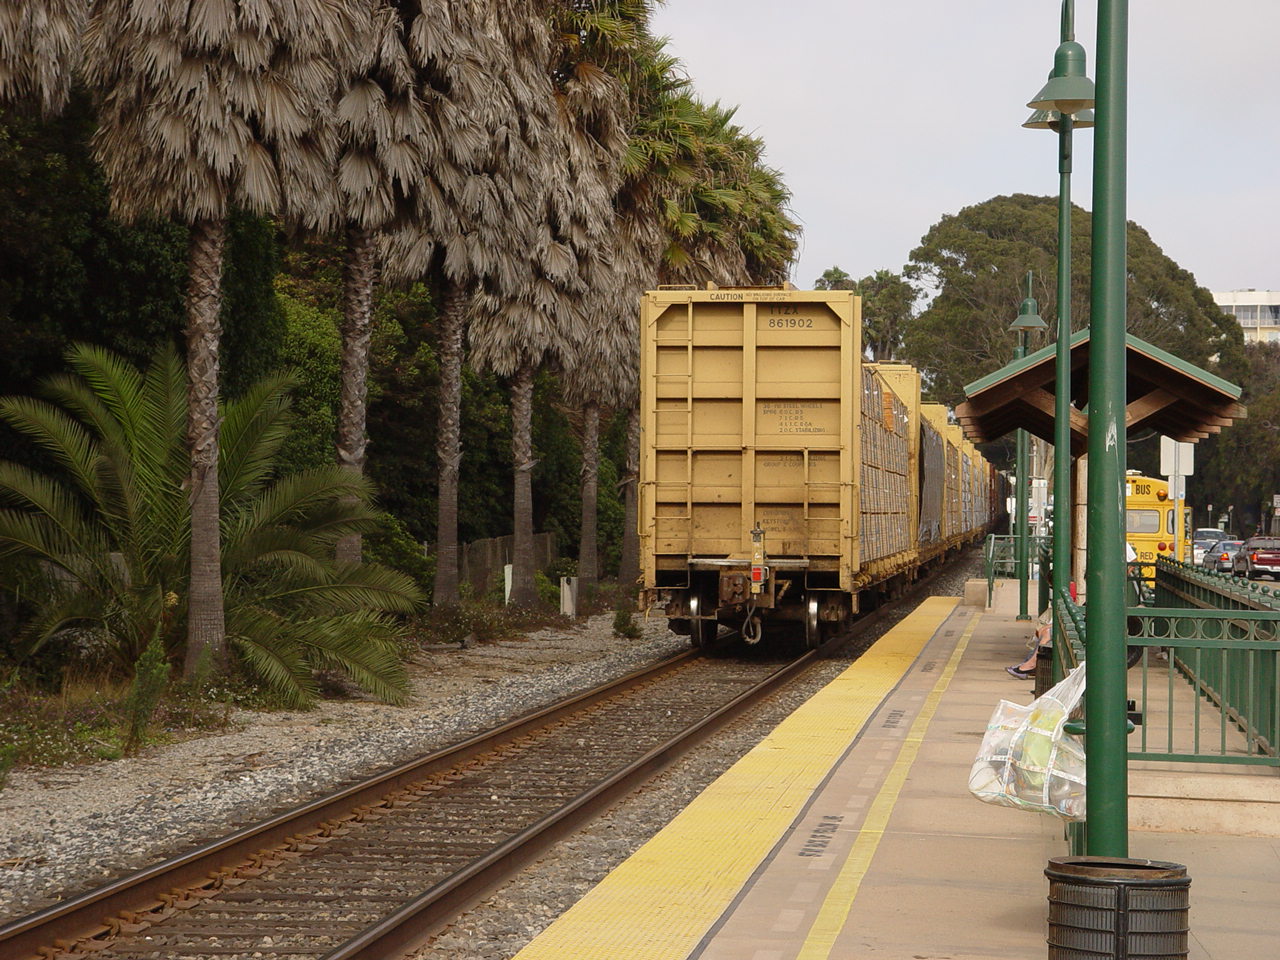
[90,914]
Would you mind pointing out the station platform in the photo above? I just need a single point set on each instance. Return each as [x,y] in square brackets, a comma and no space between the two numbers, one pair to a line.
[850,833]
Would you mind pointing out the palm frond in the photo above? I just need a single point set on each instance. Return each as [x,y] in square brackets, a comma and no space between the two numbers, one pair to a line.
[52,524]
[270,655]
[253,428]
[344,587]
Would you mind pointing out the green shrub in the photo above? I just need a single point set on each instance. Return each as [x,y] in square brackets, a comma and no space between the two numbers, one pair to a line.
[548,590]
[473,620]
[149,679]
[624,625]
[393,546]
[563,567]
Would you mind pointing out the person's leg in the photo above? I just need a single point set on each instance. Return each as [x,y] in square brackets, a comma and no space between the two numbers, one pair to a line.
[1027,667]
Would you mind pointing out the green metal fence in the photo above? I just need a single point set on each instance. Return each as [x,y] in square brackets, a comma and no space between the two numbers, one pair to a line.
[1208,685]
[1231,659]
[1221,635]
[1184,585]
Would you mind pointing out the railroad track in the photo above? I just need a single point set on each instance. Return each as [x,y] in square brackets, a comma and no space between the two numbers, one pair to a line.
[374,869]
[377,867]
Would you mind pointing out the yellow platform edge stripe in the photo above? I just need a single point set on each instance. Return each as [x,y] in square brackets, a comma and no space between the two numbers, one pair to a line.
[659,902]
[834,912]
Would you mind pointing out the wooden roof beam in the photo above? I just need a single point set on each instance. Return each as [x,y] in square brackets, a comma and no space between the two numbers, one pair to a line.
[1146,406]
[1043,401]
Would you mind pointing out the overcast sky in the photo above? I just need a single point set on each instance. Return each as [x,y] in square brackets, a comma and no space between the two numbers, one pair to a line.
[885,115]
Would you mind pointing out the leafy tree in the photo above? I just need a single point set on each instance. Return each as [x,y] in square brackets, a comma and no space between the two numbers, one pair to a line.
[406,387]
[975,262]
[834,278]
[252,316]
[1240,467]
[310,348]
[103,541]
[68,272]
[887,302]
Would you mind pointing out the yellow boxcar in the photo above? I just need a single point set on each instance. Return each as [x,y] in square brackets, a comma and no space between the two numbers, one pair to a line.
[781,476]
[751,452]
[934,501]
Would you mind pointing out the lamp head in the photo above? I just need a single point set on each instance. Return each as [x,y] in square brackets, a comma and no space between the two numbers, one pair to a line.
[1051,120]
[1028,317]
[1068,89]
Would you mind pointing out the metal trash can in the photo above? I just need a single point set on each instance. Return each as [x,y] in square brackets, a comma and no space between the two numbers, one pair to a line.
[1113,908]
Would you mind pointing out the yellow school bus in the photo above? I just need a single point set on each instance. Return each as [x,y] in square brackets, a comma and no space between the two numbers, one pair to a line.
[1155,525]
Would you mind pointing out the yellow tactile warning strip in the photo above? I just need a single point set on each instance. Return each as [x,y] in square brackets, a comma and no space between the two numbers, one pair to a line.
[835,908]
[658,904]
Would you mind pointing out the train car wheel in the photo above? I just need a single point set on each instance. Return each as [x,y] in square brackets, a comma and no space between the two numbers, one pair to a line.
[812,625]
[702,633]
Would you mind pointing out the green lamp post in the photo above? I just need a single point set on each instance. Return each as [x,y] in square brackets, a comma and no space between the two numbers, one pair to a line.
[1106,719]
[1028,320]
[1060,118]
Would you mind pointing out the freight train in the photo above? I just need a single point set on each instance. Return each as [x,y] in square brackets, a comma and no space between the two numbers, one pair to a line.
[786,484]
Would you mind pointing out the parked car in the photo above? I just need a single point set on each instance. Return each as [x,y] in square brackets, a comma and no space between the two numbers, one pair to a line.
[1202,540]
[1219,556]
[1258,557]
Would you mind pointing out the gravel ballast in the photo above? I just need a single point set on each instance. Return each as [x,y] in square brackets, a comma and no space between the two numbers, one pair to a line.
[66,829]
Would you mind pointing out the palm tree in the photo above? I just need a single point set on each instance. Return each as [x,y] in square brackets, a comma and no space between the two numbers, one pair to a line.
[205,107]
[568,270]
[40,42]
[103,543]
[601,369]
[698,205]
[658,164]
[471,229]
[385,158]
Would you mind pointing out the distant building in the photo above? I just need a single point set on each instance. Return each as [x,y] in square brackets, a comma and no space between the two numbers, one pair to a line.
[1257,312]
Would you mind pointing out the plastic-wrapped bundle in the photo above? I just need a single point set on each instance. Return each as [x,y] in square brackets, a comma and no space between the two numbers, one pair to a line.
[1028,761]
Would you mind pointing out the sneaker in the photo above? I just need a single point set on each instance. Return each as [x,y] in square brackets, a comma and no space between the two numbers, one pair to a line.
[1019,674]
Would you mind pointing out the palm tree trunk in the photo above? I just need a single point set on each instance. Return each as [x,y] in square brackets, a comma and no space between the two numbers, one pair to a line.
[523,591]
[629,566]
[588,550]
[206,627]
[360,273]
[449,442]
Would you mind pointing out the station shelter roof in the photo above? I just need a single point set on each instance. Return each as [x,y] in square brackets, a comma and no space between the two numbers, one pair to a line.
[1165,393]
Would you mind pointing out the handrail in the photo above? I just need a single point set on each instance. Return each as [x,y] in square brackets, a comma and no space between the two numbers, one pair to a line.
[1068,636]
[1222,590]
[999,557]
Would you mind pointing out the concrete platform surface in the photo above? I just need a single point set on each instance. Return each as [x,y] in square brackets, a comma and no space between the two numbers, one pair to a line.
[889,856]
